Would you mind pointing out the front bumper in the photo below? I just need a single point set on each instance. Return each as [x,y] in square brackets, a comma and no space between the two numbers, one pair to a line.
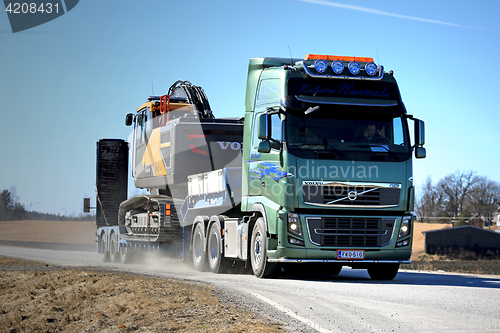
[377,236]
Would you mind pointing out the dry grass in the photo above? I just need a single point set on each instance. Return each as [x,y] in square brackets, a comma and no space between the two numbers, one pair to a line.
[462,262]
[427,262]
[74,232]
[36,297]
[419,238]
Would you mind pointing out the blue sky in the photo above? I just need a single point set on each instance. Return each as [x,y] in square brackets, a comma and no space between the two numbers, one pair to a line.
[70,82]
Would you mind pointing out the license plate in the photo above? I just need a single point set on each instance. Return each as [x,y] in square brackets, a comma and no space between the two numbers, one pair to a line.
[351,254]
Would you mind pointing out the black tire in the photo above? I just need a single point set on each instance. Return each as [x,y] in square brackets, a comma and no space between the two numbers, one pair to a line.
[215,256]
[114,255]
[258,253]
[199,248]
[104,249]
[383,271]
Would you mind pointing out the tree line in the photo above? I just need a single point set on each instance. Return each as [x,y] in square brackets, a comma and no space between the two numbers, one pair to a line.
[458,197]
[12,210]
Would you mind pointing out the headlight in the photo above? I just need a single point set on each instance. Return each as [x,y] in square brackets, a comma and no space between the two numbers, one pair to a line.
[405,228]
[293,224]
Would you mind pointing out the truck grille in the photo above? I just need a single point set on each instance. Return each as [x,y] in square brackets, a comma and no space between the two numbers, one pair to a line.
[334,194]
[350,232]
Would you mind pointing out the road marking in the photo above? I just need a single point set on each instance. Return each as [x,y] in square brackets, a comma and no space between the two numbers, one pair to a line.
[491,281]
[306,321]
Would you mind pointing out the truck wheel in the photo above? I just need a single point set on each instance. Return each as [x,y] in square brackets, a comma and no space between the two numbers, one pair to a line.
[216,260]
[258,253]
[125,255]
[104,250]
[198,248]
[114,256]
[383,271]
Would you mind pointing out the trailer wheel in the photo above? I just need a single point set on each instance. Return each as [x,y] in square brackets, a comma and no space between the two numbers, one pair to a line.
[383,271]
[114,256]
[125,255]
[216,260]
[199,248]
[104,249]
[258,253]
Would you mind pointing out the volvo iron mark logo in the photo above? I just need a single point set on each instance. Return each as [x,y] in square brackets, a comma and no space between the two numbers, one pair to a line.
[353,195]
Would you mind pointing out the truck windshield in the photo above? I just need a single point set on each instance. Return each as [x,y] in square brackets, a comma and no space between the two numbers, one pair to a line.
[362,136]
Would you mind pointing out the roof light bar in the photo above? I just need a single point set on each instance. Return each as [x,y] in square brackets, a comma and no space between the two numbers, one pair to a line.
[340,58]
[339,64]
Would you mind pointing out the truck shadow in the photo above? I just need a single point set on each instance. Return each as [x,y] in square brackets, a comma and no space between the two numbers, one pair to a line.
[407,278]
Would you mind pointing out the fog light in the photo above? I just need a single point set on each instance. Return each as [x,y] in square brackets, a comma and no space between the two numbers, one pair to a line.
[403,243]
[295,241]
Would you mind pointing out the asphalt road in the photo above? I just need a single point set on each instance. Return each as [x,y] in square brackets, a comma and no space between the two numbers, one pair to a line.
[349,302]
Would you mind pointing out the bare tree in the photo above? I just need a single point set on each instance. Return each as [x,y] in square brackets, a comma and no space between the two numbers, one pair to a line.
[456,188]
[484,196]
[430,202]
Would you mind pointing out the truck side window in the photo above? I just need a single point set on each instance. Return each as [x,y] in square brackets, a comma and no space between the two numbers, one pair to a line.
[398,132]
[142,119]
[276,131]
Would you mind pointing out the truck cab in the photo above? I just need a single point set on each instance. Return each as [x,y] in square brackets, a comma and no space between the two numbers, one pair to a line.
[327,160]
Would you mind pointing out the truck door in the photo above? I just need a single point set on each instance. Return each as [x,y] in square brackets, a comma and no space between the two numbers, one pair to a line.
[266,168]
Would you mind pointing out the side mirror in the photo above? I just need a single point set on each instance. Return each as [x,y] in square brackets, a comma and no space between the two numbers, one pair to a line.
[420,152]
[129,119]
[264,147]
[262,126]
[419,132]
[86,205]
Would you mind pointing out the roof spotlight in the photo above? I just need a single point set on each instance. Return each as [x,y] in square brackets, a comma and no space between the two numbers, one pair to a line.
[337,66]
[320,66]
[354,67]
[371,69]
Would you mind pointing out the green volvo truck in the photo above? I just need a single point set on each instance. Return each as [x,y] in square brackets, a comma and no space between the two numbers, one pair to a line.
[317,175]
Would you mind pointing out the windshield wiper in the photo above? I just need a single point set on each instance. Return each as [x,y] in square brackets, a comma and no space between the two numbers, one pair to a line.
[371,146]
[325,144]
[312,109]
[333,149]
